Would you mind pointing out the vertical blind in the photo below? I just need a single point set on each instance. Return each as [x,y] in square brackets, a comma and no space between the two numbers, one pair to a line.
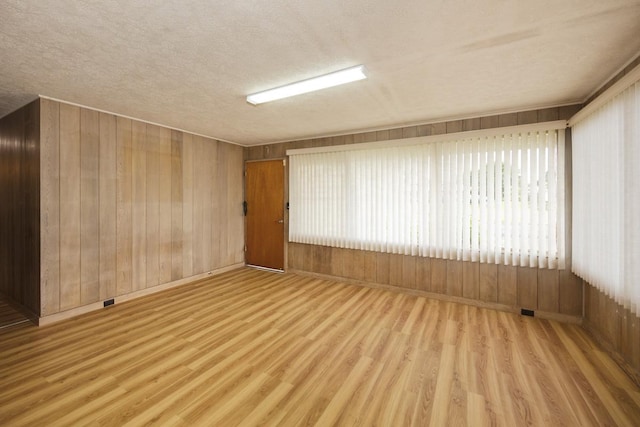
[606,198]
[491,198]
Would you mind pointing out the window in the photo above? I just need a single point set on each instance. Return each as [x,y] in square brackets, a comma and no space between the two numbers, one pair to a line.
[606,196]
[476,196]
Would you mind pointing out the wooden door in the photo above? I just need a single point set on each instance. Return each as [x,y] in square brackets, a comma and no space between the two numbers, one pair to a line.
[264,189]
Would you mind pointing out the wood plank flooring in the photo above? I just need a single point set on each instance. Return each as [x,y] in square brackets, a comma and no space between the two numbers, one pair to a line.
[256,348]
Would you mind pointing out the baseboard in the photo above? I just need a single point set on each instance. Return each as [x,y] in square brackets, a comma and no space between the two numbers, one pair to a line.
[565,318]
[63,315]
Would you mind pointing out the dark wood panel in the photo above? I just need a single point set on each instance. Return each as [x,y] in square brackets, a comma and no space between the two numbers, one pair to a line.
[20,206]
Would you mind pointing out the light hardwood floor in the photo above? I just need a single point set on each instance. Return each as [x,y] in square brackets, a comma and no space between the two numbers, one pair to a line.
[250,347]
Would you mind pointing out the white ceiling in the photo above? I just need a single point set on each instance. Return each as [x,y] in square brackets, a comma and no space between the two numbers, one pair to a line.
[190,64]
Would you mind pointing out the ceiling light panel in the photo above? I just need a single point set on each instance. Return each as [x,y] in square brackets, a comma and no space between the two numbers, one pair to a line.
[317,83]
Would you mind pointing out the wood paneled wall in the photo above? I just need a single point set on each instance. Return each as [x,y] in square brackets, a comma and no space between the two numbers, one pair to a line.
[127,206]
[615,328]
[550,291]
[19,206]
[517,287]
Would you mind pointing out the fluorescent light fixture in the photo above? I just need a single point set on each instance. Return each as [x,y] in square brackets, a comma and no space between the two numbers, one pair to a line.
[322,82]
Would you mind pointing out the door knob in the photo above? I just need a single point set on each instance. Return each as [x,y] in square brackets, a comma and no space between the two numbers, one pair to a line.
[280,221]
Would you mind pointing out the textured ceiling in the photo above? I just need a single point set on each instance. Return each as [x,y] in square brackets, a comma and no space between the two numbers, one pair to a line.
[190,64]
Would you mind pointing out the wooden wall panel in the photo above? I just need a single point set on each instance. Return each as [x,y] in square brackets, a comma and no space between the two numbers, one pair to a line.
[471,280]
[199,204]
[220,211]
[152,206]
[215,204]
[382,268]
[235,216]
[548,290]
[353,263]
[139,204]
[337,262]
[108,204]
[488,282]
[20,206]
[439,275]
[187,206]
[31,207]
[395,270]
[50,211]
[615,328]
[89,206]
[527,287]
[177,202]
[409,272]
[124,206]
[423,274]
[164,198]
[570,293]
[370,272]
[69,207]
[454,278]
[134,203]
[208,184]
[508,285]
